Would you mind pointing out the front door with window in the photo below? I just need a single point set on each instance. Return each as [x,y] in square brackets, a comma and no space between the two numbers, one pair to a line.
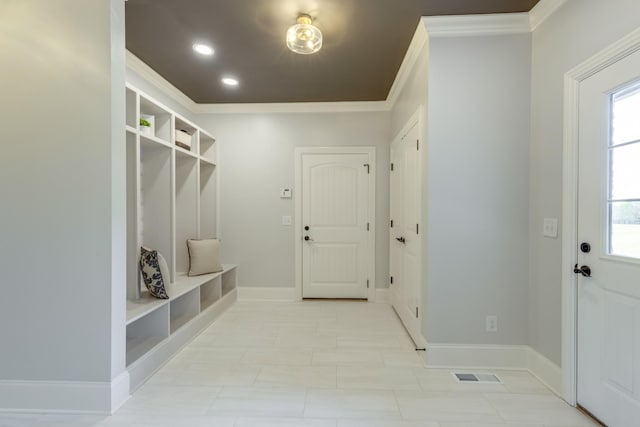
[609,244]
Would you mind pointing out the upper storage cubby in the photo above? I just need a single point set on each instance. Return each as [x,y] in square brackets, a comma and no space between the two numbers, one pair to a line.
[208,148]
[160,120]
[185,135]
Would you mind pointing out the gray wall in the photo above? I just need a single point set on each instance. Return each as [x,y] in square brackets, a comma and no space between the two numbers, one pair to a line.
[578,30]
[256,160]
[478,182]
[56,255]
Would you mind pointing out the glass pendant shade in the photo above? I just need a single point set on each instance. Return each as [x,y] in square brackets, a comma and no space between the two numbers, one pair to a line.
[304,38]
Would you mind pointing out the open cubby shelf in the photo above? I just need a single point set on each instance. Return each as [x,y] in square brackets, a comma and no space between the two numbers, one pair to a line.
[182,285]
[171,197]
[210,292]
[139,346]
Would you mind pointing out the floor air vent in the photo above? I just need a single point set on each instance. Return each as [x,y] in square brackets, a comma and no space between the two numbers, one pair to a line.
[477,378]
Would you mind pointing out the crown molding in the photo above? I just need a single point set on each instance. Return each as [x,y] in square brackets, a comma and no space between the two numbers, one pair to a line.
[543,10]
[293,107]
[477,25]
[420,39]
[140,67]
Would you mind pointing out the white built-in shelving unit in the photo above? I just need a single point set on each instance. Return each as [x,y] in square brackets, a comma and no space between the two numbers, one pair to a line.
[171,197]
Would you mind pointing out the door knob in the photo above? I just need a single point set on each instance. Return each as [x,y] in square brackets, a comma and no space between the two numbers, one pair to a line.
[401,239]
[585,270]
[307,238]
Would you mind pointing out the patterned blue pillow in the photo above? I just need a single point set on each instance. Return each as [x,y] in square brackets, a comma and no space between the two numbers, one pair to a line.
[151,274]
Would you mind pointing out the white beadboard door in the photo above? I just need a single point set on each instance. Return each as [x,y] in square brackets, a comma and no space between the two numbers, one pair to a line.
[608,264]
[335,229]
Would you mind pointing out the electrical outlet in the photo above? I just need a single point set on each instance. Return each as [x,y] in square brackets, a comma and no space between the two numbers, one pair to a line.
[492,323]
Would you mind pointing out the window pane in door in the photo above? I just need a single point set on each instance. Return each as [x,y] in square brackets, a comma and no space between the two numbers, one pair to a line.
[624,237]
[625,116]
[625,172]
[623,198]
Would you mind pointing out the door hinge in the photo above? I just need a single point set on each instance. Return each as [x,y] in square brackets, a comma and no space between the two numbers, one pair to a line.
[392,280]
[366,165]
[416,312]
[417,229]
[391,167]
[368,227]
[367,283]
[417,144]
[391,223]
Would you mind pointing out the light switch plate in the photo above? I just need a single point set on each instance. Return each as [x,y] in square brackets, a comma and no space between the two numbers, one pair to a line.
[550,228]
[286,220]
[285,193]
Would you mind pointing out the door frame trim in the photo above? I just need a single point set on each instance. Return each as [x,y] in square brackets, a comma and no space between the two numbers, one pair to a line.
[572,79]
[371,250]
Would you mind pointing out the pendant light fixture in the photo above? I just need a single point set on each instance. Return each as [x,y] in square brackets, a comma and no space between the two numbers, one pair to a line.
[304,37]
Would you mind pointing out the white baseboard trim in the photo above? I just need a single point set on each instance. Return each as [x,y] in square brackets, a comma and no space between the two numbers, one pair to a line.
[253,293]
[266,294]
[476,356]
[65,397]
[545,371]
[505,357]
[119,391]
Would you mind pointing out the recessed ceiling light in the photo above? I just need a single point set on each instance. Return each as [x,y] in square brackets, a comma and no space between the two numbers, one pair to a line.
[230,81]
[203,49]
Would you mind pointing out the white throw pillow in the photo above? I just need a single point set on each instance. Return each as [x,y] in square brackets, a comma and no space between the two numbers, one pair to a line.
[204,256]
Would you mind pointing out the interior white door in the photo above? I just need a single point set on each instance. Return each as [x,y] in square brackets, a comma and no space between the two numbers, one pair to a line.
[335,204]
[609,254]
[405,231]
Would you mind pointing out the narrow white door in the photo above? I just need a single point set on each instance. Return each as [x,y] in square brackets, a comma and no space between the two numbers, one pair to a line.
[609,247]
[405,231]
[335,221]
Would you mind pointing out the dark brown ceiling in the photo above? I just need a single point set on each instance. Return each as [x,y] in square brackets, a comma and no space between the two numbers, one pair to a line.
[364,44]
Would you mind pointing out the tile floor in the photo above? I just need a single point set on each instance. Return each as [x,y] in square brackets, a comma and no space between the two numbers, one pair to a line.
[318,364]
